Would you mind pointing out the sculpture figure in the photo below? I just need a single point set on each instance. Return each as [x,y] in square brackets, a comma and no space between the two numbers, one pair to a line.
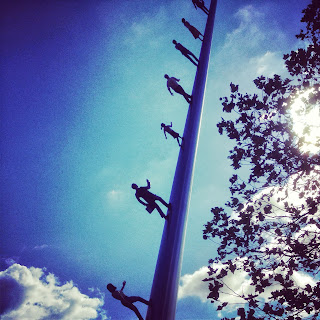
[195,32]
[175,135]
[149,199]
[185,52]
[172,83]
[200,4]
[125,300]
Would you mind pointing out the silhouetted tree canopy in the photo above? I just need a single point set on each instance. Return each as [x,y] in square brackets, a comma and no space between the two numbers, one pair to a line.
[269,231]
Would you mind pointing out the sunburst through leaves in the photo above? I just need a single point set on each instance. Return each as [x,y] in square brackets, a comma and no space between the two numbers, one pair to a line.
[306,120]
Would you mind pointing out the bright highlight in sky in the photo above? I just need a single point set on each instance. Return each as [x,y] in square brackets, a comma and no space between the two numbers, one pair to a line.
[306,121]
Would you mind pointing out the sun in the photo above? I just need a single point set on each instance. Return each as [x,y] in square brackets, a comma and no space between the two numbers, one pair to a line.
[306,121]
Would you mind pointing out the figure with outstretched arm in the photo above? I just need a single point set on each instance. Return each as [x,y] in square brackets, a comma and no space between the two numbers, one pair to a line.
[175,135]
[172,83]
[125,300]
[149,199]
[185,52]
[195,32]
[200,4]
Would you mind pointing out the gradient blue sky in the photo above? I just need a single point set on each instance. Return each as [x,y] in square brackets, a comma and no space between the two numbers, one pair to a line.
[82,100]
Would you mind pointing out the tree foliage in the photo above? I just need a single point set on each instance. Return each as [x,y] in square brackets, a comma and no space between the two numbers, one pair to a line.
[270,228]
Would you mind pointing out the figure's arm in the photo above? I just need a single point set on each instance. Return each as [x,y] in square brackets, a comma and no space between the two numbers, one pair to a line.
[169,90]
[148,184]
[176,79]
[170,124]
[123,285]
[164,131]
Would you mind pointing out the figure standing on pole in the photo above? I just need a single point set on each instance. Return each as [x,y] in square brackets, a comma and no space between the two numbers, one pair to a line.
[175,135]
[195,32]
[172,83]
[185,52]
[150,199]
[200,4]
[125,300]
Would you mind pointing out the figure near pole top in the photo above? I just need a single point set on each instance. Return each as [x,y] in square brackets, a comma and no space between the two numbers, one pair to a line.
[200,4]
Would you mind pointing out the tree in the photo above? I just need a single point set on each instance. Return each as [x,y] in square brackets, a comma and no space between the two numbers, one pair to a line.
[269,231]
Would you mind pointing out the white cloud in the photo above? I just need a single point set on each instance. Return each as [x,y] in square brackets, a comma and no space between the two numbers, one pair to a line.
[41,247]
[193,286]
[249,50]
[268,64]
[148,29]
[250,19]
[253,32]
[152,27]
[30,293]
[115,196]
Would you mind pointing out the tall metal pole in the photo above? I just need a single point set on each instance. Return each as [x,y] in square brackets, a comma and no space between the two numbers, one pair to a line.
[167,274]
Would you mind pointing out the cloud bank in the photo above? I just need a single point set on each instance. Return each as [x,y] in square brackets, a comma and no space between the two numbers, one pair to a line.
[30,293]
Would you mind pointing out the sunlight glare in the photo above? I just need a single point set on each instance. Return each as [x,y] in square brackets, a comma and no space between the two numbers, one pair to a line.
[306,122]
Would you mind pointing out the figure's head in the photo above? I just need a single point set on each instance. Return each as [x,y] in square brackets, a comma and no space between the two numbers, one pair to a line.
[166,76]
[174,41]
[111,287]
[162,125]
[134,186]
[183,20]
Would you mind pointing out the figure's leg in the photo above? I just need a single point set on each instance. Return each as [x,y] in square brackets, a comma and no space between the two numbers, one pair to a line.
[136,298]
[194,56]
[205,10]
[180,141]
[162,201]
[160,211]
[133,308]
[187,97]
[189,58]
[180,90]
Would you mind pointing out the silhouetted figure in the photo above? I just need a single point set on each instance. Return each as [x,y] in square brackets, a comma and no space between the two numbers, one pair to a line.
[187,53]
[195,32]
[125,300]
[173,83]
[200,4]
[167,128]
[150,198]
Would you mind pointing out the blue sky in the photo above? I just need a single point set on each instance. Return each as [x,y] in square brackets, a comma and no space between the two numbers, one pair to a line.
[83,97]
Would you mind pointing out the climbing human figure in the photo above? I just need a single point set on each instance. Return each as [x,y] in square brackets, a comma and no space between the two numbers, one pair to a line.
[149,199]
[200,4]
[125,300]
[172,83]
[185,52]
[195,32]
[175,135]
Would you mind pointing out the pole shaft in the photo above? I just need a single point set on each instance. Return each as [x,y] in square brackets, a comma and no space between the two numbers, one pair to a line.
[167,274]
